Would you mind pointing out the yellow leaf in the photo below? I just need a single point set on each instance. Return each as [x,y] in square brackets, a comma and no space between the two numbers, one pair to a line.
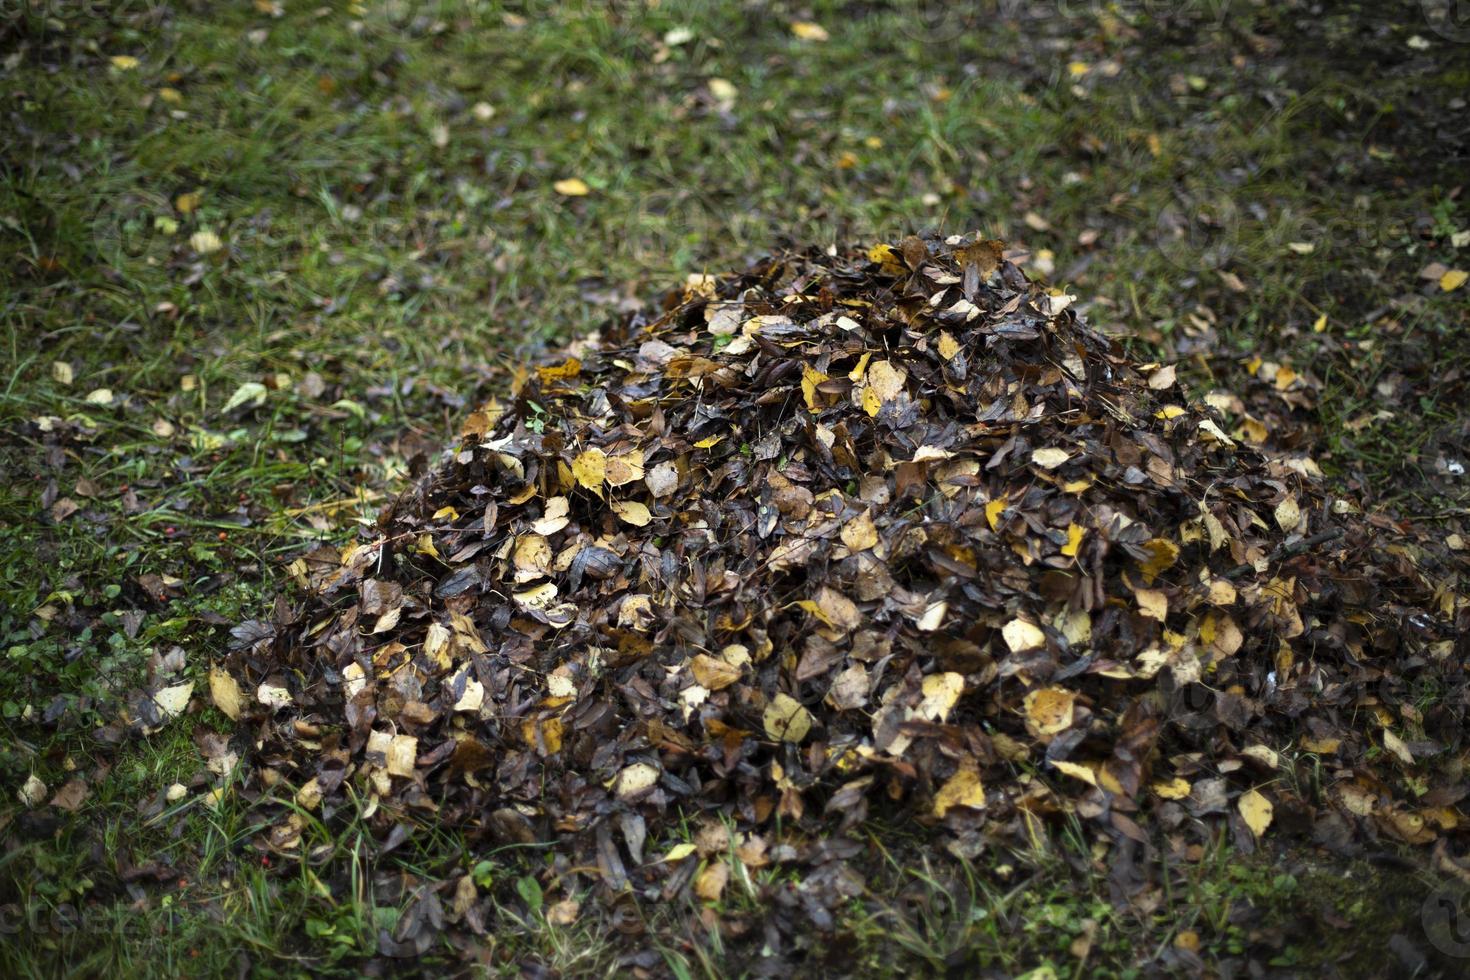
[1075,770]
[1049,710]
[1288,514]
[565,371]
[1162,554]
[624,468]
[722,90]
[1074,540]
[224,690]
[948,346]
[632,512]
[635,780]
[885,381]
[709,442]
[1256,810]
[188,203]
[856,374]
[545,732]
[124,62]
[1049,458]
[808,31]
[572,187]
[1453,280]
[860,533]
[786,720]
[679,851]
[1153,603]
[532,555]
[810,378]
[710,884]
[889,259]
[1172,789]
[590,468]
[993,509]
[537,597]
[961,789]
[1021,635]
[1396,745]
[941,693]
[1320,324]
[713,673]
[872,404]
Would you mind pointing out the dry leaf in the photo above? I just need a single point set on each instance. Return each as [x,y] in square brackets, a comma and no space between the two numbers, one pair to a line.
[1256,810]
[224,691]
[1021,635]
[786,720]
[961,789]
[1049,710]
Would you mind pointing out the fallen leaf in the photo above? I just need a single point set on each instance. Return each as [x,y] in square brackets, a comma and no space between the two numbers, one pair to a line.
[636,781]
[71,796]
[710,884]
[171,701]
[860,533]
[1049,458]
[224,691]
[712,673]
[1021,635]
[786,720]
[1172,789]
[1049,710]
[32,792]
[1256,810]
[632,512]
[590,469]
[572,187]
[961,789]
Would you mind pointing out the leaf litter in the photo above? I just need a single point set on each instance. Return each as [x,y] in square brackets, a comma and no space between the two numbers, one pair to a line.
[892,532]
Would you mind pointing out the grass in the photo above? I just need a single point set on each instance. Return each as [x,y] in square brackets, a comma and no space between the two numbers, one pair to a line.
[179,421]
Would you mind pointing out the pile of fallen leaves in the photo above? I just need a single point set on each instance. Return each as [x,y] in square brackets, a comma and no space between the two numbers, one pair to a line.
[890,530]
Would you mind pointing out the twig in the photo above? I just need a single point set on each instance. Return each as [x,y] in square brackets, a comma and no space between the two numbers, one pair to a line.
[1291,550]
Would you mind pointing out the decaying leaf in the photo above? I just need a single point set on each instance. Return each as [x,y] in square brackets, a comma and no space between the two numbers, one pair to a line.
[32,792]
[786,719]
[1049,710]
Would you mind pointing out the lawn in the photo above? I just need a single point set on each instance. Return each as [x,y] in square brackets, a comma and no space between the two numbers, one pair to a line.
[260,259]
